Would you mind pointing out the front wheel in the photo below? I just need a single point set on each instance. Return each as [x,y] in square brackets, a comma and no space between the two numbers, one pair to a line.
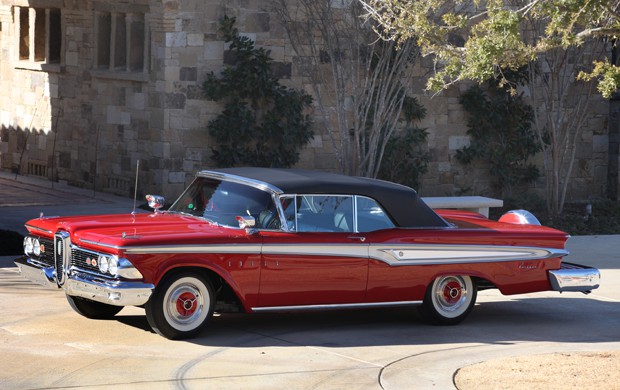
[93,310]
[449,299]
[181,306]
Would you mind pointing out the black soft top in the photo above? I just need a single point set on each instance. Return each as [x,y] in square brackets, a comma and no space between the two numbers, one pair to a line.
[402,203]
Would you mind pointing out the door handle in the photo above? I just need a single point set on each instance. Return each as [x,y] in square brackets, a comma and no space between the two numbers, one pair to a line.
[359,238]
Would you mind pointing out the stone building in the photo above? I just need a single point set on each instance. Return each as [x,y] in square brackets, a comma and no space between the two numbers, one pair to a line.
[90,87]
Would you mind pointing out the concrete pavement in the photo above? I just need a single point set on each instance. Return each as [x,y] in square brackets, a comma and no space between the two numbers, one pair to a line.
[23,198]
[44,344]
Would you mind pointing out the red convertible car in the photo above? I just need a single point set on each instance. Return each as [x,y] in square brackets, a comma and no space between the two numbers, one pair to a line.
[260,239]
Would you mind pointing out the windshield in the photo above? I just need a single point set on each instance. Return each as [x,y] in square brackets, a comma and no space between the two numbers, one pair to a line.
[222,201]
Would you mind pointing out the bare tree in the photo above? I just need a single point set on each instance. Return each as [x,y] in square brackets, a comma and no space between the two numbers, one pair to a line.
[359,81]
[561,104]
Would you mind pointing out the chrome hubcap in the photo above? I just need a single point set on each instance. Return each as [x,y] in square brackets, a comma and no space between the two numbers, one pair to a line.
[450,295]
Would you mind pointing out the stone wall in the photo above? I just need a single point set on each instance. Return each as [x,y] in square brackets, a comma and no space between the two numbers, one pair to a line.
[88,126]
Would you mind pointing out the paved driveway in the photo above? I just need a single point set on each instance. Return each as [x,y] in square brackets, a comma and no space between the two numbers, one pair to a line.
[44,344]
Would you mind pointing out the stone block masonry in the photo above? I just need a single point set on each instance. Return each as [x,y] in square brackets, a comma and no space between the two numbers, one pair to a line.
[127,86]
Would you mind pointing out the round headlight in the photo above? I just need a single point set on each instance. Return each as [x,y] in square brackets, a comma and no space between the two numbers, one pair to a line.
[113,267]
[103,264]
[36,247]
[28,245]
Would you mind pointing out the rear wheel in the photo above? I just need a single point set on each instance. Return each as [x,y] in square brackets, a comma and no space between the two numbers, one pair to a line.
[92,309]
[181,306]
[449,299]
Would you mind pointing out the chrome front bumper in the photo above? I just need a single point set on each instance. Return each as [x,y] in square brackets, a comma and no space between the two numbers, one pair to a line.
[574,277]
[80,284]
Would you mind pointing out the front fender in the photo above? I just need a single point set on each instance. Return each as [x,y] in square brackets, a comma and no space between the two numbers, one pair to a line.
[240,271]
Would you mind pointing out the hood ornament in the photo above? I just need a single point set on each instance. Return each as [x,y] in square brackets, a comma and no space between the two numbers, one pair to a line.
[134,237]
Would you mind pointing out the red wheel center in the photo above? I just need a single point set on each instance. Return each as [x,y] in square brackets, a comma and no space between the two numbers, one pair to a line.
[452,292]
[186,304]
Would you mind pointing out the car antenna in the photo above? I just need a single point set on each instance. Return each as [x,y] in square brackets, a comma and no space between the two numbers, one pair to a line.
[135,193]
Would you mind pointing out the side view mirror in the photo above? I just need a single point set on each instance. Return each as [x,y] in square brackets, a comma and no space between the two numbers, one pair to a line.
[246,222]
[156,202]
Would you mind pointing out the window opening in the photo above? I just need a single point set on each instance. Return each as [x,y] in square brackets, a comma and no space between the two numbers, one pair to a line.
[121,41]
[24,34]
[40,34]
[104,28]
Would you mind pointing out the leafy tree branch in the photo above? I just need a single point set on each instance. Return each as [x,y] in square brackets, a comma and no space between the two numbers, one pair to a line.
[475,39]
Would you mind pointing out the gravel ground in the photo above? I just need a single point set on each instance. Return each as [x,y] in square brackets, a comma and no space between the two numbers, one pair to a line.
[595,370]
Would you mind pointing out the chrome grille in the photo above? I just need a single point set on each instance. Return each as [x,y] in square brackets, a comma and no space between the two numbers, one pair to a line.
[80,257]
[62,255]
[47,255]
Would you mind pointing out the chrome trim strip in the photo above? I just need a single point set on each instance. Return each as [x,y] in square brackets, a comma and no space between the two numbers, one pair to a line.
[394,255]
[97,244]
[335,250]
[74,269]
[335,306]
[230,248]
[261,185]
[283,223]
[62,256]
[73,246]
[39,229]
[425,254]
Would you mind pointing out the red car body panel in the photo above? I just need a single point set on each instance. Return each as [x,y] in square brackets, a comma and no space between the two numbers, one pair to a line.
[268,280]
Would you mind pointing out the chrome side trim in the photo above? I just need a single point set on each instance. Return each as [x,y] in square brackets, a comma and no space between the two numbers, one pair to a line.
[97,244]
[335,306]
[394,255]
[423,254]
[334,250]
[39,229]
[230,248]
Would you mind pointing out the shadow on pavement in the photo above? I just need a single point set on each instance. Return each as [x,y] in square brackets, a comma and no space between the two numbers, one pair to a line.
[574,320]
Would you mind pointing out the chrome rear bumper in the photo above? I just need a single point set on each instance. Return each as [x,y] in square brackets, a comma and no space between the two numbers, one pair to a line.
[80,284]
[574,277]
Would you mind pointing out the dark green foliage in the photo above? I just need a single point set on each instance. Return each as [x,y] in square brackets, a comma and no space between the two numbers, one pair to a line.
[406,157]
[501,137]
[263,122]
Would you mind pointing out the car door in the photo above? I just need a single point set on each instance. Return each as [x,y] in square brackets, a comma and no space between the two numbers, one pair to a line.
[319,260]
[389,281]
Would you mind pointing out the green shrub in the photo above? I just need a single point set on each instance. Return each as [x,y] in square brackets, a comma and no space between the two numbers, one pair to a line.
[501,137]
[263,122]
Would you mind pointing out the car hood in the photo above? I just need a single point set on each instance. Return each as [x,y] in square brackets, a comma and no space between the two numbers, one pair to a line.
[126,230]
